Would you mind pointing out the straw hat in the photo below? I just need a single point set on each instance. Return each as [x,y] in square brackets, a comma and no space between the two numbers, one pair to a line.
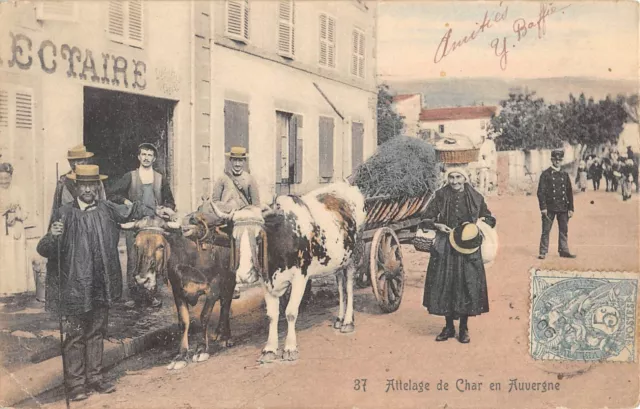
[466,238]
[79,152]
[237,152]
[87,173]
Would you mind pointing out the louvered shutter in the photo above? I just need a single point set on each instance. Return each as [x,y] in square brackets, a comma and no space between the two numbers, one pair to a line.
[135,29]
[361,58]
[286,29]
[125,23]
[323,40]
[116,20]
[326,148]
[236,125]
[238,19]
[4,121]
[331,38]
[57,10]
[354,53]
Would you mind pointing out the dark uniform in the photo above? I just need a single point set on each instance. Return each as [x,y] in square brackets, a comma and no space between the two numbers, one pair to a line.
[555,195]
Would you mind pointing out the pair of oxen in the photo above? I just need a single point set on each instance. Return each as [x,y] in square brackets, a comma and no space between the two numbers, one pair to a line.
[282,246]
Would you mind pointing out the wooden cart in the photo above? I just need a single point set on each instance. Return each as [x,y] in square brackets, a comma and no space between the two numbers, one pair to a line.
[390,222]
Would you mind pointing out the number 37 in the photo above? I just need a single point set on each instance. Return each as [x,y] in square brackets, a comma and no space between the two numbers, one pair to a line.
[360,384]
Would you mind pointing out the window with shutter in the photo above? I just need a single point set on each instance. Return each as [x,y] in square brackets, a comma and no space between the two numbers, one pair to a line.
[57,10]
[125,22]
[238,20]
[357,145]
[327,57]
[326,149]
[357,53]
[286,28]
[236,125]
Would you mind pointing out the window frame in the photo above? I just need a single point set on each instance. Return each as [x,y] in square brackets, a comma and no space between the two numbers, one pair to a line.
[245,36]
[125,38]
[291,54]
[335,41]
[361,58]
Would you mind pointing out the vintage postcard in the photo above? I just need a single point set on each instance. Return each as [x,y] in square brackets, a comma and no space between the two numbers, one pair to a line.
[324,204]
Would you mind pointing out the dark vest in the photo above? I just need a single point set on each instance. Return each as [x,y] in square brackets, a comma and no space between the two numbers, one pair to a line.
[135,188]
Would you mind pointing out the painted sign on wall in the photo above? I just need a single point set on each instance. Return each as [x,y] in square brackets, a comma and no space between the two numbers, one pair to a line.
[112,69]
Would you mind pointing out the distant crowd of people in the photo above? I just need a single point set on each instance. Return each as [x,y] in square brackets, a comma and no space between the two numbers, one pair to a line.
[617,170]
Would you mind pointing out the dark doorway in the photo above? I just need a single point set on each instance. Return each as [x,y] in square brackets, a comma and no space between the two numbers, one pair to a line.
[115,123]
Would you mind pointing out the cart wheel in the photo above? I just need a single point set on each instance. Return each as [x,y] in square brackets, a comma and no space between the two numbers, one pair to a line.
[387,272]
[362,277]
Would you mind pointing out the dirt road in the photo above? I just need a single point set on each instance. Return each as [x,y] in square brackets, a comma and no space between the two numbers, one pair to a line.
[390,353]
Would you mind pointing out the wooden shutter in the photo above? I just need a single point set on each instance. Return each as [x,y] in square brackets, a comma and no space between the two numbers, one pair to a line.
[4,121]
[331,37]
[136,23]
[295,151]
[357,53]
[236,125]
[286,29]
[57,10]
[238,19]
[125,22]
[326,148]
[323,40]
[357,145]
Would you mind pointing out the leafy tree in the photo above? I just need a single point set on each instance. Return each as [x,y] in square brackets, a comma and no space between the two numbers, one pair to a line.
[525,122]
[390,124]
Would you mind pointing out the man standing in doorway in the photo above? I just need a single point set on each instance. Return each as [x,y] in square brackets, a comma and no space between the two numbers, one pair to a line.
[65,187]
[555,197]
[152,189]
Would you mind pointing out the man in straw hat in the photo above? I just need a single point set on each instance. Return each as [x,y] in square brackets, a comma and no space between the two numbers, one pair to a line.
[151,188]
[85,234]
[65,189]
[456,284]
[236,188]
[555,197]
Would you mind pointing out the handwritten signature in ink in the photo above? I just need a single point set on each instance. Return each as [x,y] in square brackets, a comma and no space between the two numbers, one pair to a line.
[521,27]
[448,46]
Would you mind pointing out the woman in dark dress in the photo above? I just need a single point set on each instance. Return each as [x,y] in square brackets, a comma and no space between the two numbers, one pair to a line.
[456,285]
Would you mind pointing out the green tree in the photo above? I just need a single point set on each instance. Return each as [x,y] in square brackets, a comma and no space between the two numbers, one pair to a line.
[390,124]
[526,123]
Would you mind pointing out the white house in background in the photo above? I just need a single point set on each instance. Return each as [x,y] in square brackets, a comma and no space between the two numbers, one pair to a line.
[409,106]
[471,121]
[630,136]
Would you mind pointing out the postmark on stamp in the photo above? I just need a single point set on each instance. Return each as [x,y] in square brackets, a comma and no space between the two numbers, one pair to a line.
[583,316]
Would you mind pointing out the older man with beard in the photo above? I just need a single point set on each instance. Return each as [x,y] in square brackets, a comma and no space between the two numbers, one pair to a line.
[85,236]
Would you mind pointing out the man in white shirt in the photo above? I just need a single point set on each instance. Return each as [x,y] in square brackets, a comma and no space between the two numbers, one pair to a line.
[152,189]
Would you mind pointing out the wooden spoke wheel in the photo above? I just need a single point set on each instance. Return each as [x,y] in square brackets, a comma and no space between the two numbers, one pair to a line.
[386,269]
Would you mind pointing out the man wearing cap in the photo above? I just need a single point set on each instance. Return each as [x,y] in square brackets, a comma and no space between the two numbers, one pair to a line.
[152,189]
[86,234]
[236,188]
[456,284]
[555,197]
[65,189]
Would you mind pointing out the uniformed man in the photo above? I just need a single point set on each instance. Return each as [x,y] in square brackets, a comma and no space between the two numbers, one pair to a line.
[555,197]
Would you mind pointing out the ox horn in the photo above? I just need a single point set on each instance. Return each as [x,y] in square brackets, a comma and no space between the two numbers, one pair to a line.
[173,225]
[220,213]
[188,230]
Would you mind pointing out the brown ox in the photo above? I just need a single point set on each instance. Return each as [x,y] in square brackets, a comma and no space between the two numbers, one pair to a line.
[193,271]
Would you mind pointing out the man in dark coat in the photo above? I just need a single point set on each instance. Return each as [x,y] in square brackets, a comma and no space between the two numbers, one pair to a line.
[456,284]
[90,280]
[152,189]
[555,198]
[595,171]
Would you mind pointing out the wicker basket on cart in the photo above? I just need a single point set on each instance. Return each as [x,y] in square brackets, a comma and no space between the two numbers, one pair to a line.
[458,156]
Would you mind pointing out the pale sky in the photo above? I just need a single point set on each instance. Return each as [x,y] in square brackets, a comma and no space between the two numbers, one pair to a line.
[590,39]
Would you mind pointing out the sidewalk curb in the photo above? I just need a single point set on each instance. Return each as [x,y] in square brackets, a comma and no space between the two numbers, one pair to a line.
[33,380]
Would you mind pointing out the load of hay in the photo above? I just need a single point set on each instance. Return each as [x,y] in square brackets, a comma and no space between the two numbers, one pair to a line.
[402,167]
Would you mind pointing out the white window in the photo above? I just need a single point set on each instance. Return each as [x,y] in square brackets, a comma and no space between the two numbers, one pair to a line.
[238,20]
[357,53]
[126,22]
[286,28]
[327,41]
[57,10]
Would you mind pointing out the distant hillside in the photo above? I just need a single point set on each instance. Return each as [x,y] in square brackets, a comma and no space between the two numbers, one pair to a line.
[451,92]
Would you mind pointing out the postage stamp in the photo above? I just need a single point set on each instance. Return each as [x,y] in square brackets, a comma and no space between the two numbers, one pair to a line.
[583,316]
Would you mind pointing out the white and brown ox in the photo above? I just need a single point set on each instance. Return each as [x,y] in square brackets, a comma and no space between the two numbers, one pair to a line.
[305,236]
[163,250]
